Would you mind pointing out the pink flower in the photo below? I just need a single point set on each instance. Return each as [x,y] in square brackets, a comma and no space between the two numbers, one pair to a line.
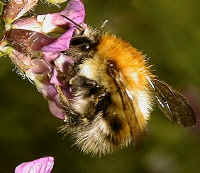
[39,55]
[42,165]
[76,12]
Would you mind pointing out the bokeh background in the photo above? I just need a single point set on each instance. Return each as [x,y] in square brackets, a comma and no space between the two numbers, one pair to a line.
[168,32]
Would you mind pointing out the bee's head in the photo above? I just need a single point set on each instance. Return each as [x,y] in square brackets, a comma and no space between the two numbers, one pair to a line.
[83,42]
[86,40]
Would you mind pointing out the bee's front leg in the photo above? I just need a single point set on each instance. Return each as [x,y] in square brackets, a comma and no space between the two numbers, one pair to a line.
[71,115]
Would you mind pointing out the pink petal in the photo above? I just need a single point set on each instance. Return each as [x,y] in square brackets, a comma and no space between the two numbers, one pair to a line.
[30,24]
[75,10]
[39,66]
[42,165]
[56,110]
[55,78]
[52,21]
[39,40]
[50,56]
[25,40]
[61,44]
[51,92]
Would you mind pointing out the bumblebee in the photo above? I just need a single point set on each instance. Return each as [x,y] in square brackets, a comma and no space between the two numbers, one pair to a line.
[112,93]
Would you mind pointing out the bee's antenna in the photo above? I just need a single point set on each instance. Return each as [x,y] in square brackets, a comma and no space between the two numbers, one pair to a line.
[79,27]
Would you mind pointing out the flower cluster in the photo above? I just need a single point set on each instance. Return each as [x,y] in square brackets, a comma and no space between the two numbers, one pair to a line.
[36,44]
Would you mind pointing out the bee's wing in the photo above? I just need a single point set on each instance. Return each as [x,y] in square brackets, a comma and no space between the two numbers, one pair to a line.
[136,122]
[174,105]
[134,119]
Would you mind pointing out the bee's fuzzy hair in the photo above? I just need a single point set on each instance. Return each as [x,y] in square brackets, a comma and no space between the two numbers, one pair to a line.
[93,138]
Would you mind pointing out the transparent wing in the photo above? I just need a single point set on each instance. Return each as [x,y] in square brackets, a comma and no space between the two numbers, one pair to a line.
[174,105]
[135,121]
[128,105]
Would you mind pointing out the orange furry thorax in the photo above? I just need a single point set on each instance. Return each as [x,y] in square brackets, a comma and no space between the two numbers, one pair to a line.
[130,62]
[133,71]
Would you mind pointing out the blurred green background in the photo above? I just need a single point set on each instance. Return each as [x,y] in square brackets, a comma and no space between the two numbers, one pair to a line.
[167,31]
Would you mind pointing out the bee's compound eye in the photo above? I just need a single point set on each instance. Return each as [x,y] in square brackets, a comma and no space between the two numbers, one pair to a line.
[83,43]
